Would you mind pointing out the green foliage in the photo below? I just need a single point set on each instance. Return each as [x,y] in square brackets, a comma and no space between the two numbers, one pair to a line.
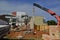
[51,22]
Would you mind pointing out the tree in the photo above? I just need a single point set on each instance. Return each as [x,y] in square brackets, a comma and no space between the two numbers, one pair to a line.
[51,22]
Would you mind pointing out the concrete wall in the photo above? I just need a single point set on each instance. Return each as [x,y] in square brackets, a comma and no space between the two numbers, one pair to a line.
[20,20]
[39,23]
[38,20]
[19,14]
[31,24]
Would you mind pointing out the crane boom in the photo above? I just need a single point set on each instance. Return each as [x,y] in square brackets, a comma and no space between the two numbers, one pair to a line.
[49,11]
[45,9]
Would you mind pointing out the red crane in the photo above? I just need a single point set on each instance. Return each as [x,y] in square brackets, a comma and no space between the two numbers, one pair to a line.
[49,11]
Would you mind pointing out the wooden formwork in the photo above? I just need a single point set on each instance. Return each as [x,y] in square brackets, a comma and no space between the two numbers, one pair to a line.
[41,27]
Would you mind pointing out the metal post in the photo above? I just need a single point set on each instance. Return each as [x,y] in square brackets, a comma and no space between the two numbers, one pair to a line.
[33,15]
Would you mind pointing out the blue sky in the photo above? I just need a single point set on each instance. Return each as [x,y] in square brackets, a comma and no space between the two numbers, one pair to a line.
[8,6]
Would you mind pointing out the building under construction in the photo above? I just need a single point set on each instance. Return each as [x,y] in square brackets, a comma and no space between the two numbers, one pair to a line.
[32,27]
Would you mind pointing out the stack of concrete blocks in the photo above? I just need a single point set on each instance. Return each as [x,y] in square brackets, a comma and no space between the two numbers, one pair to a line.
[46,37]
[53,34]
